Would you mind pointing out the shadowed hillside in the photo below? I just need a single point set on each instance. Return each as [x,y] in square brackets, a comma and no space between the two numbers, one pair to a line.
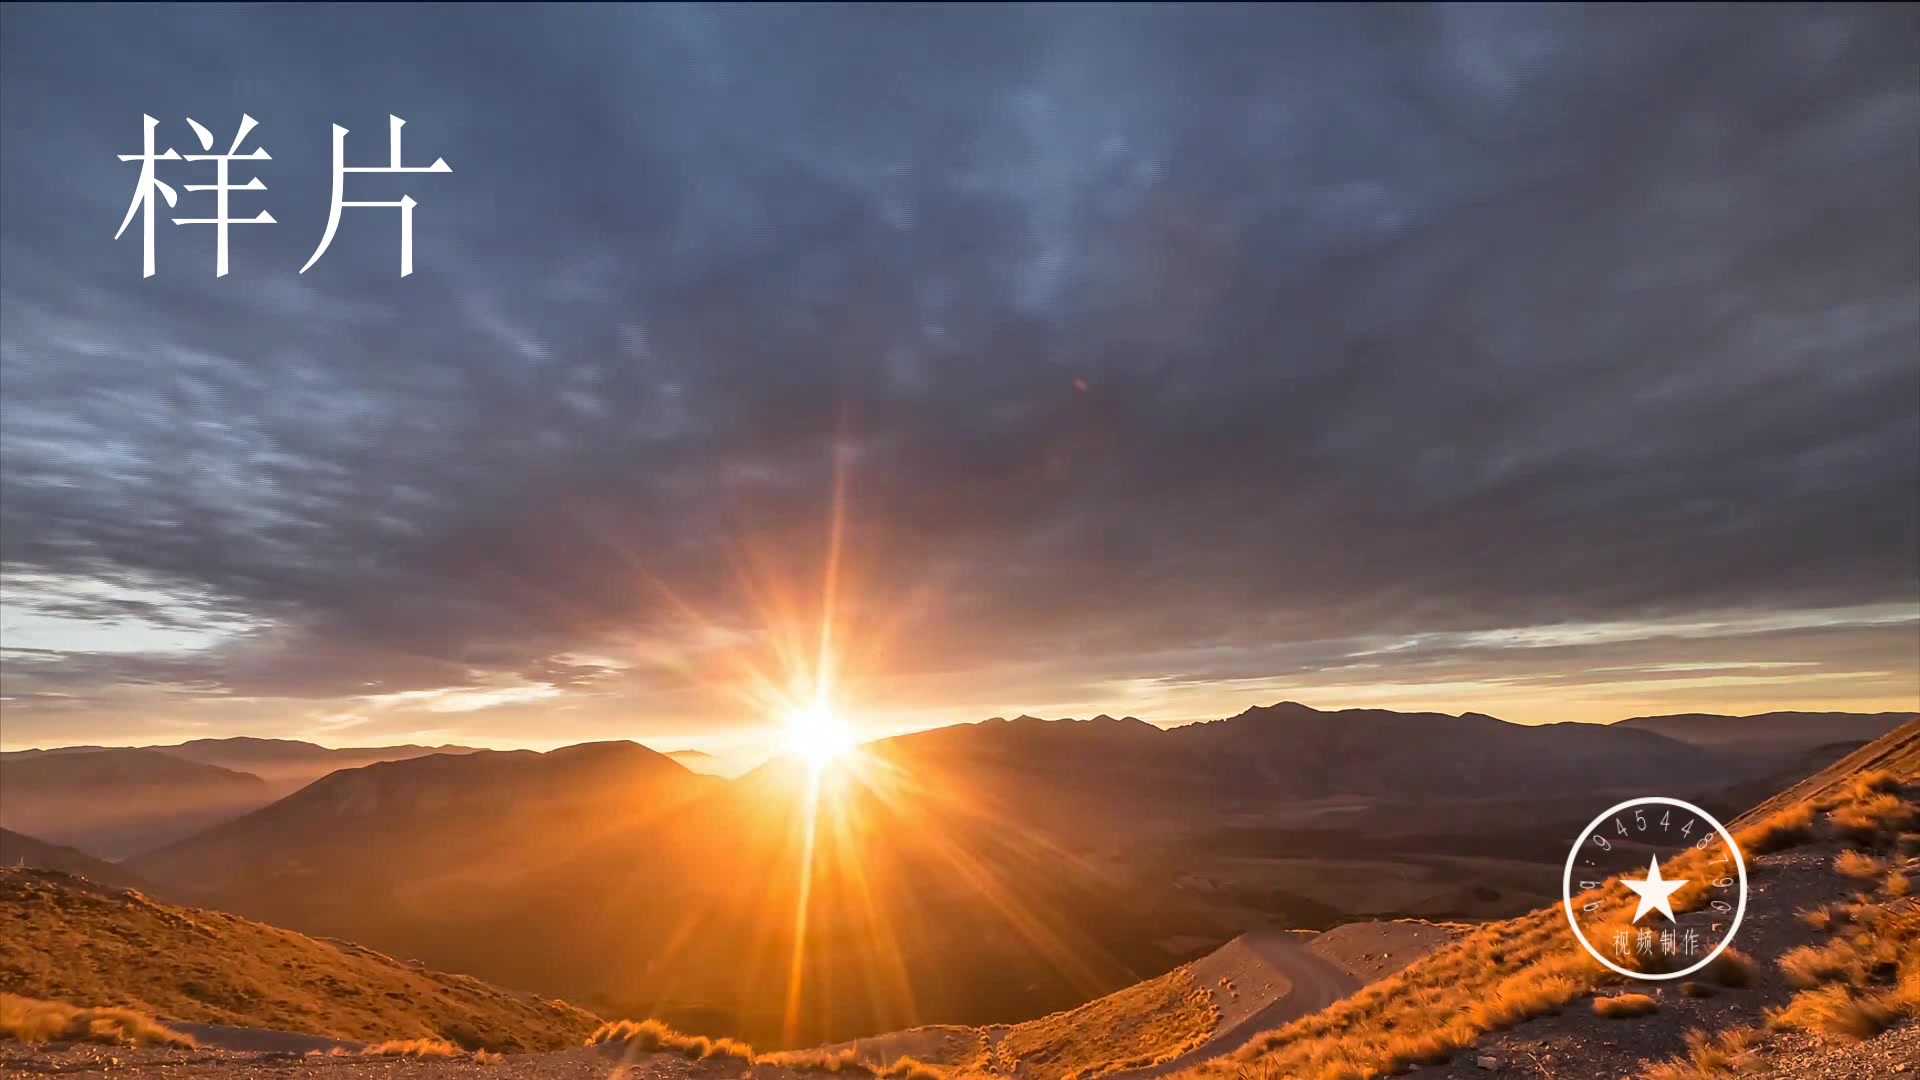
[417,834]
[65,939]
[17,849]
[975,874]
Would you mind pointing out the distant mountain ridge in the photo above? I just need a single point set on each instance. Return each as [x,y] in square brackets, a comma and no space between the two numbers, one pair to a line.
[1771,732]
[291,763]
[285,764]
[1293,751]
[115,802]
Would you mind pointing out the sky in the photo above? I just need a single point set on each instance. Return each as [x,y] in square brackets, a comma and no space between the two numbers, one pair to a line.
[1556,363]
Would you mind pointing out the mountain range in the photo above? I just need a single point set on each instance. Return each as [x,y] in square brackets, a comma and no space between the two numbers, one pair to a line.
[1266,999]
[115,802]
[614,875]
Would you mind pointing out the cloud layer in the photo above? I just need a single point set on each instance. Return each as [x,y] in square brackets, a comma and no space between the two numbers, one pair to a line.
[1228,350]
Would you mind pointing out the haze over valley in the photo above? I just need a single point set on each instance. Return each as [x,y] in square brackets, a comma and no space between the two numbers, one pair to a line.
[974,874]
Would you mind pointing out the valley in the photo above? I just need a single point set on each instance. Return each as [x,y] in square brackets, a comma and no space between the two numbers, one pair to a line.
[965,875]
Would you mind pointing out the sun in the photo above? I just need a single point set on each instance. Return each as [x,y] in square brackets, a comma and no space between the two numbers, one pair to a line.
[817,736]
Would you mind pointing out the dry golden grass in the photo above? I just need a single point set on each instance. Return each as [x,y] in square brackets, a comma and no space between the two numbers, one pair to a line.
[1790,827]
[1820,918]
[1811,965]
[63,939]
[1139,1027]
[652,1036]
[419,1048]
[1873,818]
[1431,1009]
[1871,782]
[1855,864]
[1709,1056]
[1447,1001]
[909,1069]
[1621,1006]
[1896,884]
[1834,1011]
[1845,991]
[25,1019]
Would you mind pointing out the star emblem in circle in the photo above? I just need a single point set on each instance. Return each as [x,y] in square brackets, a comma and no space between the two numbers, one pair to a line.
[1655,892]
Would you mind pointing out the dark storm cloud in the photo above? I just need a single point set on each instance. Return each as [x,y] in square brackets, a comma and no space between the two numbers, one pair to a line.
[1134,331]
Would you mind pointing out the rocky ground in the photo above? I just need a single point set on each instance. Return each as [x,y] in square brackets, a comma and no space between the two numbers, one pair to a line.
[1575,1044]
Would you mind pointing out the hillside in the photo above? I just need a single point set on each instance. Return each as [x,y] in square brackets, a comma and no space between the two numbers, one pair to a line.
[610,875]
[1827,976]
[978,874]
[66,939]
[1773,732]
[1830,979]
[1898,752]
[113,803]
[1193,1013]
[18,849]
[476,819]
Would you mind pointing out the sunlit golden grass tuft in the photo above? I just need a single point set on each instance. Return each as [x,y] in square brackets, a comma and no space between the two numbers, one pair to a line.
[1820,918]
[815,1060]
[1620,1006]
[1835,1011]
[911,1069]
[1871,782]
[1855,864]
[652,1036]
[1710,1056]
[1896,885]
[1873,818]
[1839,960]
[655,1037]
[1787,828]
[419,1048]
[25,1019]
[1845,983]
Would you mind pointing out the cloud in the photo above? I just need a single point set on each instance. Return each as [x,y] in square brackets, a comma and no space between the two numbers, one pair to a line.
[1133,334]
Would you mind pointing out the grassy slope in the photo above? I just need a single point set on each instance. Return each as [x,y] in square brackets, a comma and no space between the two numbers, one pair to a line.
[1505,973]
[69,940]
[1143,1025]
[1898,752]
